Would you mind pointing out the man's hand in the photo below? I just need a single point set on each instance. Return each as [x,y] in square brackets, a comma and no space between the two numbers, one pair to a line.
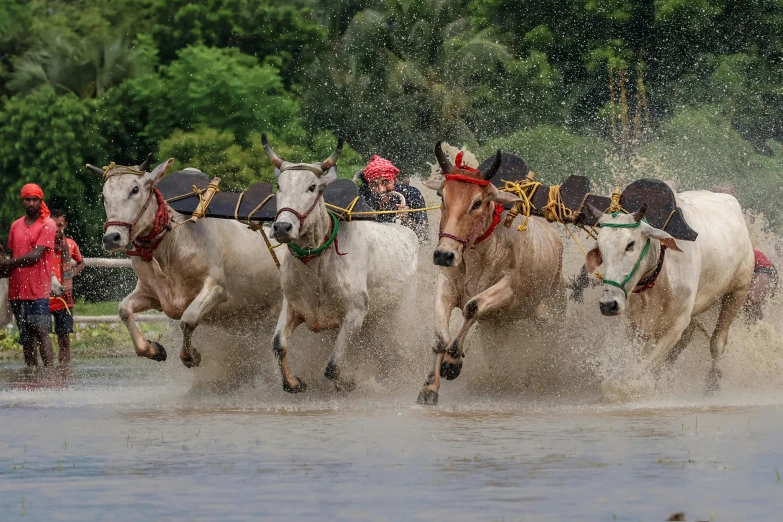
[403,216]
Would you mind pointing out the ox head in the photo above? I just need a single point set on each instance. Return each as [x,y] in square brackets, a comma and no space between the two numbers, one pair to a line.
[622,253]
[299,190]
[126,198]
[463,206]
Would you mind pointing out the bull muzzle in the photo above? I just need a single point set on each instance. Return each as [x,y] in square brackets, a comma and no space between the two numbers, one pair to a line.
[281,231]
[609,307]
[444,257]
[113,241]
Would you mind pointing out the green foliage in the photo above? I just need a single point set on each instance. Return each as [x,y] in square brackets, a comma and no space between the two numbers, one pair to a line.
[47,139]
[218,154]
[221,88]
[555,153]
[280,34]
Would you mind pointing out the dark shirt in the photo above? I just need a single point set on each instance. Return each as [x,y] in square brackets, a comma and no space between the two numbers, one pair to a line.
[417,221]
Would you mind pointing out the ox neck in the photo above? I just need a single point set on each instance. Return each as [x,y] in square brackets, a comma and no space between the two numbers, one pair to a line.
[315,228]
[653,267]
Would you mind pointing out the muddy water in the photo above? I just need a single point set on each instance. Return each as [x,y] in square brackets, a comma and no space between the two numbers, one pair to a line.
[519,436]
[128,440]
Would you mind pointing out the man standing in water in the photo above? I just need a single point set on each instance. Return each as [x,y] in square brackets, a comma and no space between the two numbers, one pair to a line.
[31,242]
[65,251]
[382,192]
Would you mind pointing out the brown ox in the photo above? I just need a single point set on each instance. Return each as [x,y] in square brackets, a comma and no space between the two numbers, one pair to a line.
[511,274]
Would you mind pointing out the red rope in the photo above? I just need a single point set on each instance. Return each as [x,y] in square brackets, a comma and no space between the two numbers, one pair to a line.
[495,221]
[467,179]
[159,228]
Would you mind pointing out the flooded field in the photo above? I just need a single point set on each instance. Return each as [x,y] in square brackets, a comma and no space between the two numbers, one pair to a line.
[521,435]
[127,440]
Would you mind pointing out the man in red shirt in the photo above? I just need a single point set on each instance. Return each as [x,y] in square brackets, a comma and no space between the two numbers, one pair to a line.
[31,242]
[65,251]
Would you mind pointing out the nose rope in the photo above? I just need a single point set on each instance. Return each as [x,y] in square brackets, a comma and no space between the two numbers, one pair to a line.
[301,217]
[465,241]
[144,246]
[498,209]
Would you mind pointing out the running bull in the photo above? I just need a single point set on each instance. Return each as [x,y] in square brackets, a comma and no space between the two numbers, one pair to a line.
[663,285]
[512,275]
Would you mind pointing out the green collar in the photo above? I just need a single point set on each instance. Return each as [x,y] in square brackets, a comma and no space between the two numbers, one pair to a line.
[305,254]
[621,286]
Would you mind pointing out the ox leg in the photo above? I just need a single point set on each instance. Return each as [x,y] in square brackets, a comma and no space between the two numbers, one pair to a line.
[211,295]
[730,306]
[620,387]
[352,323]
[132,304]
[493,298]
[446,300]
[286,325]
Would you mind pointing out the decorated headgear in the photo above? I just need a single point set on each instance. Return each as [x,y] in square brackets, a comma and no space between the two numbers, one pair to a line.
[380,168]
[459,165]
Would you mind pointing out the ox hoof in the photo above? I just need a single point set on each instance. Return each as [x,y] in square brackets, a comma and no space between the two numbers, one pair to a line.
[427,397]
[713,382]
[450,370]
[192,361]
[160,352]
[299,388]
[332,372]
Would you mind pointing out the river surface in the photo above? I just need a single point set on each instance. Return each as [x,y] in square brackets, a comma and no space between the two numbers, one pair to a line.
[127,439]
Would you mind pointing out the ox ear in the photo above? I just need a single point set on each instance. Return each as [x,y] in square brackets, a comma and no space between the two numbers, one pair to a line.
[593,260]
[434,184]
[329,176]
[504,198]
[666,240]
[158,172]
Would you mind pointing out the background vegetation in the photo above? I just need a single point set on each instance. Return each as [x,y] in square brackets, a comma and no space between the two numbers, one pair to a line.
[616,89]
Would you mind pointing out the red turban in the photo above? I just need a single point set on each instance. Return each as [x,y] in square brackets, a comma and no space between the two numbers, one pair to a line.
[31,190]
[380,168]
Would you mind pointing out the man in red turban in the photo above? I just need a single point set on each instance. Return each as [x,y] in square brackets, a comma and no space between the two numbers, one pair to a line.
[31,242]
[382,191]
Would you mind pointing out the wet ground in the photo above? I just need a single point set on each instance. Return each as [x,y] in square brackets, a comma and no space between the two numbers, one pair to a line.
[127,439]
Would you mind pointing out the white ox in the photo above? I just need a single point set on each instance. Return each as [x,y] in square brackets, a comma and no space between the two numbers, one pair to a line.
[716,268]
[339,273]
[510,275]
[209,271]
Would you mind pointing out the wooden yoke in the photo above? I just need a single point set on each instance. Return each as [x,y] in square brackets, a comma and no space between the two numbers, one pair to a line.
[575,193]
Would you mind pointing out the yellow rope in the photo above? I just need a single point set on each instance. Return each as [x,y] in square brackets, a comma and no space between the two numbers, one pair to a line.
[259,227]
[525,190]
[555,209]
[239,202]
[669,218]
[349,213]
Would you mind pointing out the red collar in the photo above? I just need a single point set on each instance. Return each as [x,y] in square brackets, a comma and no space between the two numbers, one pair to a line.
[495,221]
[650,280]
[144,246]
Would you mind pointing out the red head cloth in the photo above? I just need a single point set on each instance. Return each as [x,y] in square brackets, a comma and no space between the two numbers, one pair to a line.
[33,190]
[380,168]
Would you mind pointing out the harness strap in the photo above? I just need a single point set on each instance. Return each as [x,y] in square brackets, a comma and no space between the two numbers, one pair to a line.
[306,254]
[301,217]
[144,246]
[650,280]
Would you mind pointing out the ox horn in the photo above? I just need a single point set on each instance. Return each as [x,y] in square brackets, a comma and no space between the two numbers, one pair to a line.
[145,165]
[331,160]
[639,214]
[493,169]
[273,157]
[443,160]
[95,169]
